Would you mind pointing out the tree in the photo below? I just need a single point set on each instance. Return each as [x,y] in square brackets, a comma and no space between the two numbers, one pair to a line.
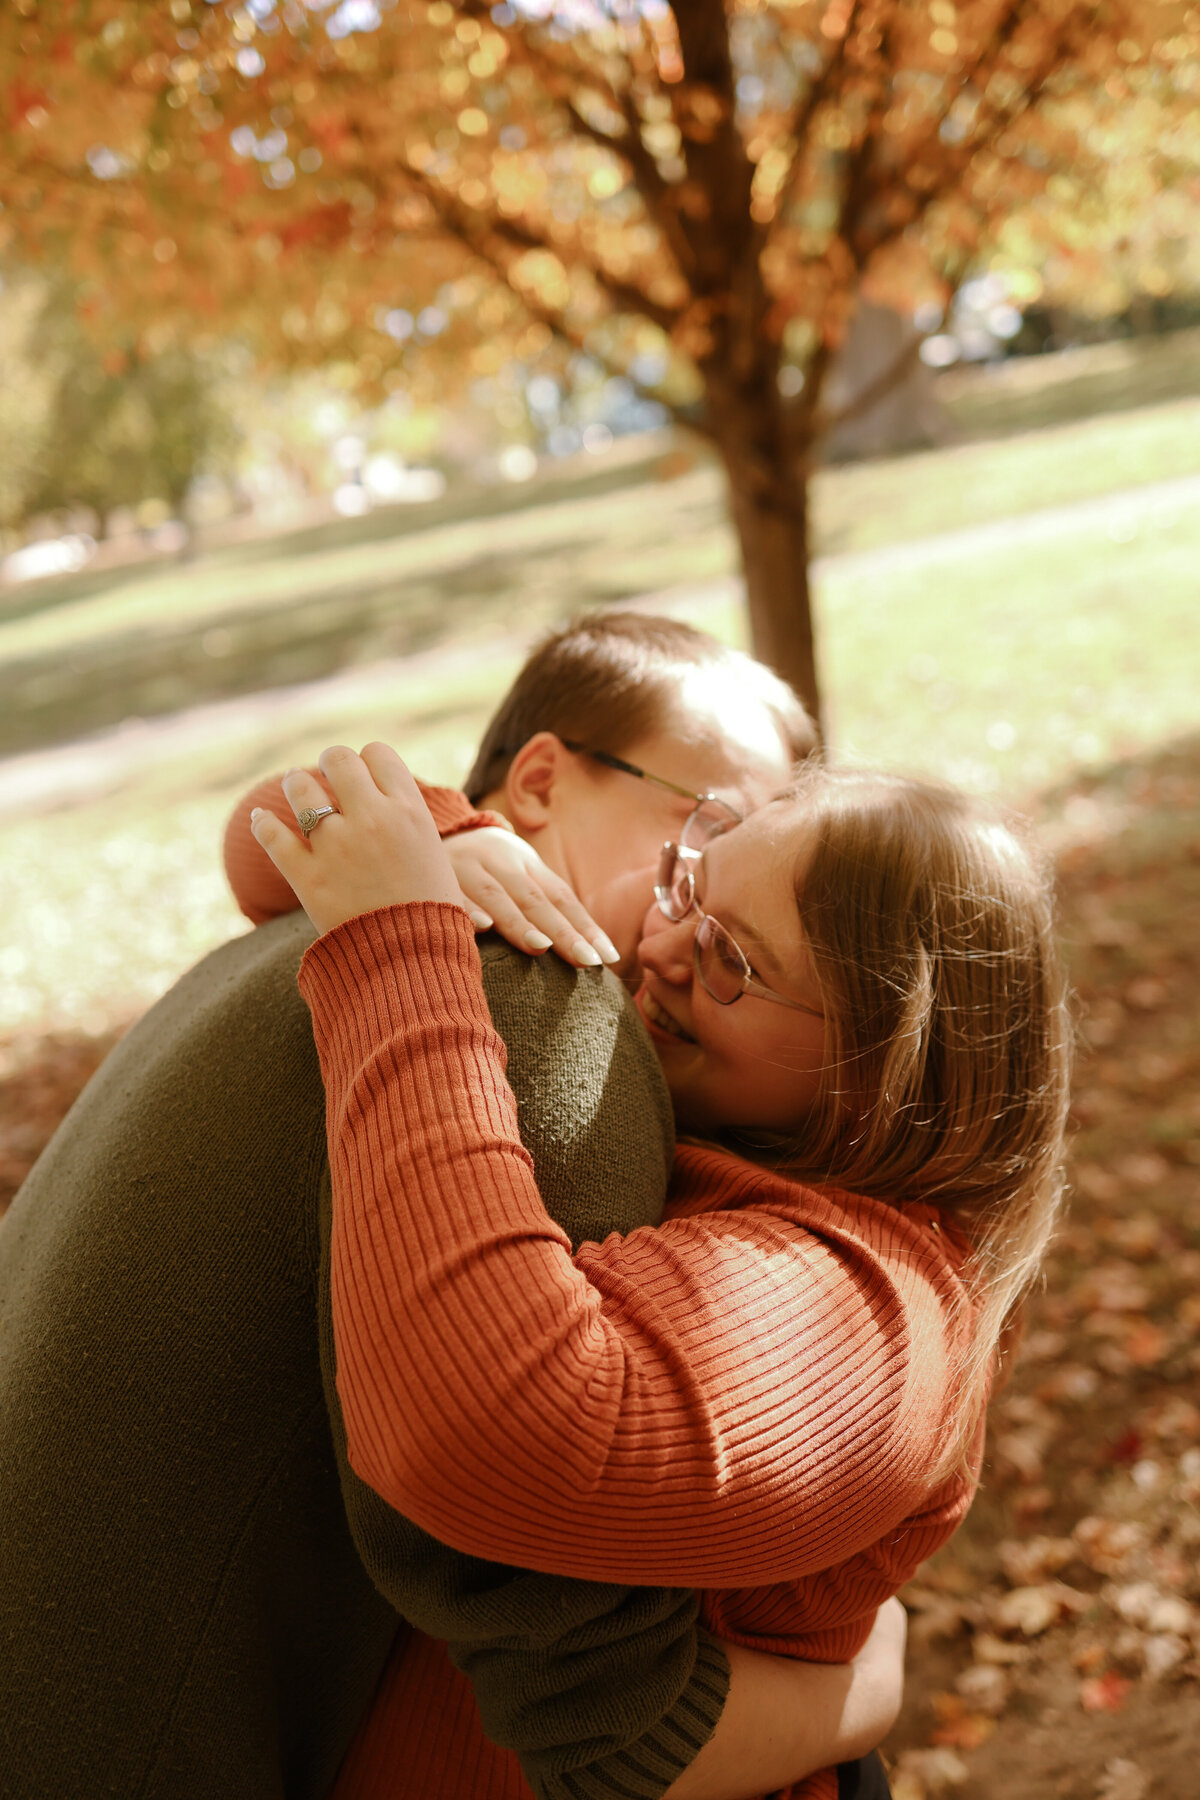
[97,425]
[695,193]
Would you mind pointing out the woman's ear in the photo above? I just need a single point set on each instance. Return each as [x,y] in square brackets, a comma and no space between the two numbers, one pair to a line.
[534,776]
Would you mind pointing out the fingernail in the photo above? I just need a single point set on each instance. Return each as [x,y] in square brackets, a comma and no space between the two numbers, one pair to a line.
[537,940]
[256,812]
[583,953]
[480,921]
[608,950]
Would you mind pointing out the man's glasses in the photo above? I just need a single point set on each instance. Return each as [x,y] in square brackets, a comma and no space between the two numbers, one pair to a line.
[721,964]
[709,817]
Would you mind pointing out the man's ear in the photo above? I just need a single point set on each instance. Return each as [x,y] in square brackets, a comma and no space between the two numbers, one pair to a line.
[534,776]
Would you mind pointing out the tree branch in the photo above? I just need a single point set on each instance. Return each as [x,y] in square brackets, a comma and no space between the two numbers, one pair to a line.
[727,242]
[627,296]
[555,74]
[1000,119]
[854,196]
[658,196]
[467,228]
[560,82]
[806,111]
[812,422]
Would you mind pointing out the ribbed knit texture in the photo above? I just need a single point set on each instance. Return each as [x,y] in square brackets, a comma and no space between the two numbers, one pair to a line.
[750,1397]
[601,1688]
[605,1689]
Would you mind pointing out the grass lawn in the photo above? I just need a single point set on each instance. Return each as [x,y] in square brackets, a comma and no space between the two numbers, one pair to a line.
[1004,659]
[253,616]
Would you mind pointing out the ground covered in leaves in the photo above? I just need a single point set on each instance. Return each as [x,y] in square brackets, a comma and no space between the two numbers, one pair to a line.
[1055,1645]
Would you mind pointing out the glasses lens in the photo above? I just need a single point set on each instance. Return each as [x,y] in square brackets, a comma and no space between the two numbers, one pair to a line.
[709,818]
[674,890]
[719,963]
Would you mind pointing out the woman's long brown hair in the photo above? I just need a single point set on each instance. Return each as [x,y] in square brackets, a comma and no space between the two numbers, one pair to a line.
[930,922]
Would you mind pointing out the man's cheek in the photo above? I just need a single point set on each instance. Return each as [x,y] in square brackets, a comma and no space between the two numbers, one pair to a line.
[620,907]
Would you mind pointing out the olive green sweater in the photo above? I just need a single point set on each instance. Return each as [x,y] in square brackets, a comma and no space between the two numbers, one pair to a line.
[197,1595]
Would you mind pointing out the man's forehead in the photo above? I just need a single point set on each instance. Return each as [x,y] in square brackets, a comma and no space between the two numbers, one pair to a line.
[725,711]
[722,720]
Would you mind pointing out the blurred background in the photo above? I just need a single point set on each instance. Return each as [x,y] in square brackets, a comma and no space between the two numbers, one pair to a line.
[346,346]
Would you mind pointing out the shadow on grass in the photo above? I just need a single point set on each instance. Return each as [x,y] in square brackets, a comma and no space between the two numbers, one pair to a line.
[28,599]
[57,697]
[463,502]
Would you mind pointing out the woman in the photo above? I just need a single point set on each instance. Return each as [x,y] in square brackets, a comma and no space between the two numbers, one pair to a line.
[778,1393]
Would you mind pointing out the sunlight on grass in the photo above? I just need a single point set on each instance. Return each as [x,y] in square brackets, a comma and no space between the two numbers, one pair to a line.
[1005,668]
[664,533]
[1003,673]
[106,904]
[940,490]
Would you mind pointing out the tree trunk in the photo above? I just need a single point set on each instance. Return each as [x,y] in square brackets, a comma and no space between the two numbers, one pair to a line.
[769,506]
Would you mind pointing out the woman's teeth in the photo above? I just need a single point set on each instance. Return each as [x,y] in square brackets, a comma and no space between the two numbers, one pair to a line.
[663,1020]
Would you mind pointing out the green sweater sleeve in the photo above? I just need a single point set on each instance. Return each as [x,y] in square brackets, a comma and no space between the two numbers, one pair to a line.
[599,1689]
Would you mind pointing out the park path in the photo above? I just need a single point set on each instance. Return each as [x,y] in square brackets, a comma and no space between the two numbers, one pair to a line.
[91,767]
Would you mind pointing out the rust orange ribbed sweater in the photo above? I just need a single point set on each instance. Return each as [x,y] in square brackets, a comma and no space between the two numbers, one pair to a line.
[748,1399]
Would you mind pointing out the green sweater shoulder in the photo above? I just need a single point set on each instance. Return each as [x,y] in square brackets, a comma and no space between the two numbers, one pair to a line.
[197,1595]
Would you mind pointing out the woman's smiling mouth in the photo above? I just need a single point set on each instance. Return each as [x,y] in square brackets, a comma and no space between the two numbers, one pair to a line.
[654,1015]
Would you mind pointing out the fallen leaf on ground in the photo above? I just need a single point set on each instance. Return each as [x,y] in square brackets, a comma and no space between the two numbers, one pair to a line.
[1032,1610]
[1146,1344]
[987,1648]
[1142,1603]
[967,1732]
[1162,1653]
[1025,1561]
[985,1687]
[1104,1693]
[1122,1780]
[923,1773]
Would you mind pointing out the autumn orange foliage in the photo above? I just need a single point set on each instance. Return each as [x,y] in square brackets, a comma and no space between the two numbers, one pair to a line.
[411,187]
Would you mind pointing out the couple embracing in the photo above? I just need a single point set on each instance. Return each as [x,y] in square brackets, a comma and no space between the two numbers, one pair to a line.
[454,1463]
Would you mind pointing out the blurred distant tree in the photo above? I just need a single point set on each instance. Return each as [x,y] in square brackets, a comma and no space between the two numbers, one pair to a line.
[127,429]
[693,194]
[84,424]
[28,383]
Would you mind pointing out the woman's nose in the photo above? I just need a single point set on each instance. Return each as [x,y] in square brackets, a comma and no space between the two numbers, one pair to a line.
[666,947]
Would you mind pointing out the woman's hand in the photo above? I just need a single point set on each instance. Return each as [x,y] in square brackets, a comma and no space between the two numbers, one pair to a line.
[508,884]
[783,1720]
[380,849]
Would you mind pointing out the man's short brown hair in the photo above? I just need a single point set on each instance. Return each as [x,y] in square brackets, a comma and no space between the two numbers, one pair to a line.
[612,678]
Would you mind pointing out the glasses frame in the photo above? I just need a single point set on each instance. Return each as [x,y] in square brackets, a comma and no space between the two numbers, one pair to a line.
[608,761]
[710,932]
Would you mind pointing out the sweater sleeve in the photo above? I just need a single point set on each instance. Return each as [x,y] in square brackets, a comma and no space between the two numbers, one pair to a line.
[261,891]
[738,1397]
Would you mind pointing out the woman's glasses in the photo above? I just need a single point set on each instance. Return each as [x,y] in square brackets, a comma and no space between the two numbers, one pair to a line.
[721,965]
[709,817]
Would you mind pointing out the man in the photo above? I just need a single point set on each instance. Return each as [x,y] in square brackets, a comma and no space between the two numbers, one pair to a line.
[192,1581]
